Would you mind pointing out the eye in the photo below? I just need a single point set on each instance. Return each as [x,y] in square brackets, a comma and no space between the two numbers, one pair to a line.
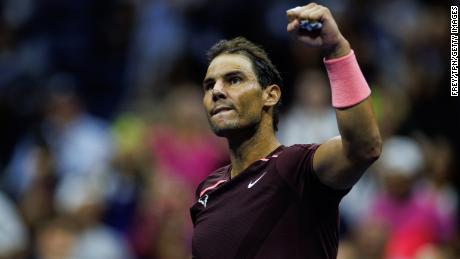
[208,85]
[235,80]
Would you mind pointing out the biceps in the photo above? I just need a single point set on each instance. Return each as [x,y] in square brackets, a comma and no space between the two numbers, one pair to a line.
[334,168]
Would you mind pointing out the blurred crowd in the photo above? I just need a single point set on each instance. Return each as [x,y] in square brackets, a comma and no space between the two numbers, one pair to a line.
[104,138]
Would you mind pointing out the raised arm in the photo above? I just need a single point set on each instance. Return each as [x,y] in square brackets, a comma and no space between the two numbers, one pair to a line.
[340,161]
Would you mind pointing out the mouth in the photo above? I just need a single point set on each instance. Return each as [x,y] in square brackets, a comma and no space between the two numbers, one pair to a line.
[219,110]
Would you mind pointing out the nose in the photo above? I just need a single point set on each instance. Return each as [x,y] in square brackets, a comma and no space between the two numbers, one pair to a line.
[218,91]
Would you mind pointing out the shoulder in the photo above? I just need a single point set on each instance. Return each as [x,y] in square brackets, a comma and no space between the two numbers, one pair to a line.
[299,148]
[294,164]
[296,154]
[212,179]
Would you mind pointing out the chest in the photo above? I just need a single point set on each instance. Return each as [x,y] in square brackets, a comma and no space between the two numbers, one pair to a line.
[239,211]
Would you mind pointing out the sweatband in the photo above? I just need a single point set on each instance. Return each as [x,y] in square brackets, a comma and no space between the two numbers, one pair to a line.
[348,85]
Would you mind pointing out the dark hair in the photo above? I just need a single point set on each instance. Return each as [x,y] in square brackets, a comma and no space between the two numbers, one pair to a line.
[266,72]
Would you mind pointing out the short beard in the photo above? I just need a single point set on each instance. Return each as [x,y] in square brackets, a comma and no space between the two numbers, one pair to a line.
[226,131]
[234,130]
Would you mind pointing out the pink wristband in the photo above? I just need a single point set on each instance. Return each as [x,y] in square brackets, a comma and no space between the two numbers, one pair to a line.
[348,85]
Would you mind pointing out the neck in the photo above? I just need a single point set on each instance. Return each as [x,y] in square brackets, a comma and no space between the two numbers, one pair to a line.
[247,148]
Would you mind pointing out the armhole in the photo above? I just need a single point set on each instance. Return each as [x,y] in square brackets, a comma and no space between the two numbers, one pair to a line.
[315,185]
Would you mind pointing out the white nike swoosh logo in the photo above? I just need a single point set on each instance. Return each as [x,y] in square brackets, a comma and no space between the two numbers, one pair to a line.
[252,183]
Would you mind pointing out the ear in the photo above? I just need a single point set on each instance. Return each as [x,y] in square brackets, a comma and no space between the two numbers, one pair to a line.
[271,95]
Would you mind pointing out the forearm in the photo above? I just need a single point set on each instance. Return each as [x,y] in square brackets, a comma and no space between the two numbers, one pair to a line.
[355,116]
[359,131]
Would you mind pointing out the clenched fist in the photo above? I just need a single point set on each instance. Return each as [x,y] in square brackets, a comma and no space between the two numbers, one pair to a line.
[327,38]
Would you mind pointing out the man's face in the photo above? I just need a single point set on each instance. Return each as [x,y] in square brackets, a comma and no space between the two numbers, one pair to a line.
[232,95]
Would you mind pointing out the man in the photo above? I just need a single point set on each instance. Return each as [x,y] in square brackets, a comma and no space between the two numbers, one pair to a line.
[274,201]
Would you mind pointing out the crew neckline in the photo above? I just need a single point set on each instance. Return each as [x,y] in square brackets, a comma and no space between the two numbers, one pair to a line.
[263,159]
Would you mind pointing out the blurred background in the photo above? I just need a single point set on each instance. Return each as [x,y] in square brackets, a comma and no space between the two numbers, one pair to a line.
[104,138]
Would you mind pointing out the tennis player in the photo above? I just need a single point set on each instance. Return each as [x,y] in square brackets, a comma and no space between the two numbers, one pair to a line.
[275,201]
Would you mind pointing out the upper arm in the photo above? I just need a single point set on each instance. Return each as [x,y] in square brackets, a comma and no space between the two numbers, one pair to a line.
[334,168]
[340,161]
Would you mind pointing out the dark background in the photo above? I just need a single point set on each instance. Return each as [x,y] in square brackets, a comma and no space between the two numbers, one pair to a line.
[147,59]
